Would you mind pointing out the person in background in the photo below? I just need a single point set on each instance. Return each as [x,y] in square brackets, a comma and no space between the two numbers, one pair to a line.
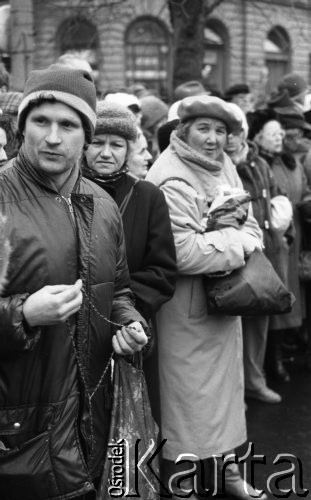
[149,241]
[9,139]
[154,114]
[128,100]
[66,305]
[139,157]
[296,87]
[269,134]
[189,88]
[200,355]
[258,180]
[241,95]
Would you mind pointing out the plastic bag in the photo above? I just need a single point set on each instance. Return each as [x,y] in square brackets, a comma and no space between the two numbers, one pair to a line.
[133,433]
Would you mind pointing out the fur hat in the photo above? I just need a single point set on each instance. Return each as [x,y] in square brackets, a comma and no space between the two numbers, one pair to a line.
[211,107]
[115,119]
[73,87]
[186,89]
[238,88]
[294,83]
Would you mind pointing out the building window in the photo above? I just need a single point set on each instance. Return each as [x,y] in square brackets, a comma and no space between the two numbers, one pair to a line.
[147,55]
[277,49]
[214,61]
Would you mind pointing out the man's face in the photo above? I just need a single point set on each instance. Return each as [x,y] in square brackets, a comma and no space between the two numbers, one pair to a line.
[53,139]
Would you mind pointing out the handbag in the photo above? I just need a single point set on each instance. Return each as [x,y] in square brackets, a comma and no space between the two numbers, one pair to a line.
[252,290]
[304,265]
[133,434]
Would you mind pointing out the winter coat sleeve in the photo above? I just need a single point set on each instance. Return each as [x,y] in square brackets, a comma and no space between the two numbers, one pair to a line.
[197,251]
[15,334]
[123,310]
[154,283]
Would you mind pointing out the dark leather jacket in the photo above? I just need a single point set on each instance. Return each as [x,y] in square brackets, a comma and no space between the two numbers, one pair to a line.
[51,445]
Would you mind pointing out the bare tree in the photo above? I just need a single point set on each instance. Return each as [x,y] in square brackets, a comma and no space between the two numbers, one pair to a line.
[188,19]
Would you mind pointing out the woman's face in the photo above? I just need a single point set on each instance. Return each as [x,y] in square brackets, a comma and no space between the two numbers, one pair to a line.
[271,137]
[139,158]
[207,136]
[107,153]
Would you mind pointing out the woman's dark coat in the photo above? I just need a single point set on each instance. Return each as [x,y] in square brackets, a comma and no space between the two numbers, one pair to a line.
[149,242]
[51,445]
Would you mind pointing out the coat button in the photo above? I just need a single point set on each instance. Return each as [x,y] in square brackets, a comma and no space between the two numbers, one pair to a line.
[88,485]
[58,198]
[83,198]
[16,425]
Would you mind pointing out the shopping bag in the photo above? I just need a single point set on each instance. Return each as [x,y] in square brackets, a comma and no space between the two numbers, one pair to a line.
[133,436]
[252,290]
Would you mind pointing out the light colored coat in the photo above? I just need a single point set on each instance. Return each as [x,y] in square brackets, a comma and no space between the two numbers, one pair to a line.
[200,356]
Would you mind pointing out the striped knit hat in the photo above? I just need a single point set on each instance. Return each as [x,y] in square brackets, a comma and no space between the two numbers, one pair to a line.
[73,87]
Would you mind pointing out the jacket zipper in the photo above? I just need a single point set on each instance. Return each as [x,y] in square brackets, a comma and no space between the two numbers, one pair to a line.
[71,212]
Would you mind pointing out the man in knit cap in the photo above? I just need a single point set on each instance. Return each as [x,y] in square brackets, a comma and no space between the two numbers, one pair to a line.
[66,287]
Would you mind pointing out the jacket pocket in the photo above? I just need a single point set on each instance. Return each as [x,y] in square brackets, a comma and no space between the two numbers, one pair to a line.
[27,470]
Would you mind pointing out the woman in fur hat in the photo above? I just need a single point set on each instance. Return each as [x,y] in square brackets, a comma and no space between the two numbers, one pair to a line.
[148,236]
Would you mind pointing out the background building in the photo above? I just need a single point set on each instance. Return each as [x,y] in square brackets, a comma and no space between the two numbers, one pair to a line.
[130,41]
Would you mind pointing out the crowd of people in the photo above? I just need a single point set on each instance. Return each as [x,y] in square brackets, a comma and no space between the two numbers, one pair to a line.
[105,245]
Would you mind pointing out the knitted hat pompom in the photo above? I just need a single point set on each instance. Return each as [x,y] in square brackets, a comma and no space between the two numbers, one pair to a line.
[115,119]
[73,87]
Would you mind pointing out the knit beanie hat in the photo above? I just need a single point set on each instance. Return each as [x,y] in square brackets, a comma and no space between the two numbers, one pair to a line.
[115,119]
[294,83]
[153,109]
[73,87]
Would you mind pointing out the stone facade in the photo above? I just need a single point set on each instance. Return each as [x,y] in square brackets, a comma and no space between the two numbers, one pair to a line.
[245,27]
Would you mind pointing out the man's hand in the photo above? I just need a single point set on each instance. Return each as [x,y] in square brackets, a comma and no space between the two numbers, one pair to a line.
[53,304]
[129,339]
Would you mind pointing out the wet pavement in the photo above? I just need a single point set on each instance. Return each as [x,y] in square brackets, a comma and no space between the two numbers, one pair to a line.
[283,428]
